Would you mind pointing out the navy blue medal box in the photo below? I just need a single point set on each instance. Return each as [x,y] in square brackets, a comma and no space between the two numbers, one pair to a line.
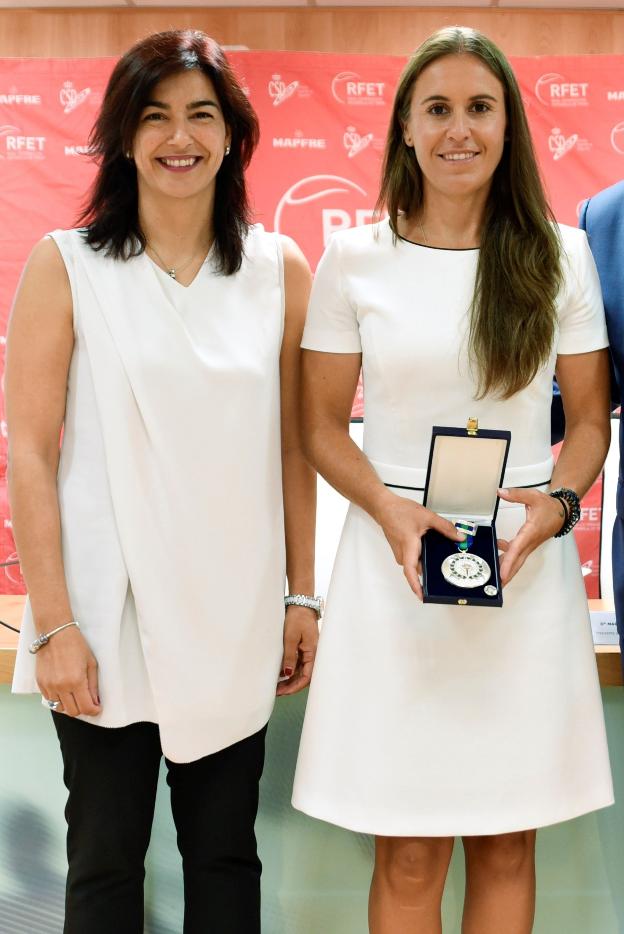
[466,468]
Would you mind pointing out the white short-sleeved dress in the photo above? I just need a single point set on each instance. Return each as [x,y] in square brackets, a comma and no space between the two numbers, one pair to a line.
[430,720]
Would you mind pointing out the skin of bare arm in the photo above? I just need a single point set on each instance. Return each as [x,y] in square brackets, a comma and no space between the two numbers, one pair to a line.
[39,349]
[584,383]
[329,383]
[298,481]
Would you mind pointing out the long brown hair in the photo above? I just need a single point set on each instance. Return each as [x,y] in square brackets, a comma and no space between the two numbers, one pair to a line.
[111,212]
[513,314]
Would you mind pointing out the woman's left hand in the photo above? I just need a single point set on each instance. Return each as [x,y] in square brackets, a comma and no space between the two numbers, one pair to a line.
[300,640]
[544,517]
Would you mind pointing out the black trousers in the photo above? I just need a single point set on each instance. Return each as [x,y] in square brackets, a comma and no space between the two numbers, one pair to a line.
[111,776]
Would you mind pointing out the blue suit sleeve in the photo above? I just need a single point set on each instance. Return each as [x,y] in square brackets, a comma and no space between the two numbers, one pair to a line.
[616,399]
[583,215]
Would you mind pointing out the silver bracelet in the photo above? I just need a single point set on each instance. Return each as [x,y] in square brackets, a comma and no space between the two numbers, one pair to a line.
[45,637]
[302,599]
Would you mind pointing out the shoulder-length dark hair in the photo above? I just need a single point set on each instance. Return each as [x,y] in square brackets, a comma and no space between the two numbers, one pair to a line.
[111,212]
[513,315]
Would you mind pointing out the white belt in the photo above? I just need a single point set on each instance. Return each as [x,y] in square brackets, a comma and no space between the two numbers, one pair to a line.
[414,478]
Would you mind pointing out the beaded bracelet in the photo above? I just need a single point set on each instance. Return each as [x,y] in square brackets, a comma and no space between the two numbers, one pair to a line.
[572,505]
[301,599]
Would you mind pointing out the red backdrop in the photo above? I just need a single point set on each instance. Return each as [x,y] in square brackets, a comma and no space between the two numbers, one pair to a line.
[323,120]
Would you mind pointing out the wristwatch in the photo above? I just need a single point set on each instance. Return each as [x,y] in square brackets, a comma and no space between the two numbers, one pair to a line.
[301,599]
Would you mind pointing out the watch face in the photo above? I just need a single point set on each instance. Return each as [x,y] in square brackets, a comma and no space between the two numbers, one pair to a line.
[466,570]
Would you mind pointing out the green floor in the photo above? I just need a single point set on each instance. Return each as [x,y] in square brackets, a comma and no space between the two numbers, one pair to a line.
[315,876]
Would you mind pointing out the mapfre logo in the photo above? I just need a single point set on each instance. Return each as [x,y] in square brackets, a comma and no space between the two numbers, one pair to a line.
[617,138]
[553,90]
[354,143]
[14,99]
[77,150]
[615,95]
[559,144]
[71,98]
[321,204]
[13,145]
[299,141]
[348,87]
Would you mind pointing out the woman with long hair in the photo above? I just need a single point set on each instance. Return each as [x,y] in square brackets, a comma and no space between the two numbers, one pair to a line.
[428,722]
[162,338]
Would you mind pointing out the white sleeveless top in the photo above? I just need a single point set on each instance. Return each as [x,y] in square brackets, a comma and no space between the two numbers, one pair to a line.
[170,493]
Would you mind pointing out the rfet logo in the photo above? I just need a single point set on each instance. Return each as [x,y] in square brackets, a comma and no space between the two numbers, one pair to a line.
[554,90]
[559,144]
[348,87]
[14,145]
[316,206]
[617,137]
[280,91]
[71,98]
[11,568]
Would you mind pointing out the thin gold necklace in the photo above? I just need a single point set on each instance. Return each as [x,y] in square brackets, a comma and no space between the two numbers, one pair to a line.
[170,270]
[426,241]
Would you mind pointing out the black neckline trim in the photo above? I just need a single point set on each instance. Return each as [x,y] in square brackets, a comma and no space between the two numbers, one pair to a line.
[443,249]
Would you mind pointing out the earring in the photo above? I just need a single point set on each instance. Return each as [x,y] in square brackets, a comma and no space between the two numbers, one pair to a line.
[227,151]
[128,155]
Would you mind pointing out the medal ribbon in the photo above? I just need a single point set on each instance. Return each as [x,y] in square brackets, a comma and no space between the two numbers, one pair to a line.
[469,528]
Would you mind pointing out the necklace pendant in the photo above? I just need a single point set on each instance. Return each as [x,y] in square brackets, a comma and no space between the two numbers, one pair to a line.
[171,272]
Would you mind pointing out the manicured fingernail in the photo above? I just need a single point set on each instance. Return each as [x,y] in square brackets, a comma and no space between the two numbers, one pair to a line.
[288,672]
[503,491]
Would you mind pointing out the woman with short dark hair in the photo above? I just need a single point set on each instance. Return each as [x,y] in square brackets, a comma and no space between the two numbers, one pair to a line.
[429,722]
[164,338]
[112,214]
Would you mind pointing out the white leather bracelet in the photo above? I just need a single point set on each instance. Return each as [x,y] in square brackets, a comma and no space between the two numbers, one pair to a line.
[45,637]
[302,599]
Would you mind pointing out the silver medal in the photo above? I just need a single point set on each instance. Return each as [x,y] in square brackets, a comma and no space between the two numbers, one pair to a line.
[466,570]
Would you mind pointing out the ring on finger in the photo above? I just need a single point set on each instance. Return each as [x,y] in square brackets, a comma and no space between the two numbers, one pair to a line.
[52,704]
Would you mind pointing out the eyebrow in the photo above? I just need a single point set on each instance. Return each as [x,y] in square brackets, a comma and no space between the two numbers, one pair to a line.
[192,106]
[475,97]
